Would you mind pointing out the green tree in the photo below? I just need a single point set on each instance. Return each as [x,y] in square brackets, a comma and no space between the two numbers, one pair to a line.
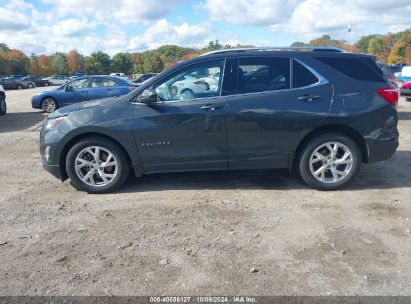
[18,62]
[298,44]
[98,63]
[58,63]
[122,63]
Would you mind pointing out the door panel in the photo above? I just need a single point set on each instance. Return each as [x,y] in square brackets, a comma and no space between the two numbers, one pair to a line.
[263,128]
[182,135]
[185,129]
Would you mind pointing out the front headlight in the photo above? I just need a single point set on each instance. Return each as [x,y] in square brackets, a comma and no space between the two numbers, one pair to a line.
[51,123]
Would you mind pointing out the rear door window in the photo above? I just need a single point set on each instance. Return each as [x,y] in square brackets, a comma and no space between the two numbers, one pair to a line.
[102,82]
[262,74]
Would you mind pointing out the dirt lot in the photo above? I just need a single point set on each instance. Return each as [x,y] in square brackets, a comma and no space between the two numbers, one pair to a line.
[200,233]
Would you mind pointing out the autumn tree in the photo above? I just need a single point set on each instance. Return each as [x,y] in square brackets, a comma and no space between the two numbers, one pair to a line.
[19,63]
[75,61]
[44,65]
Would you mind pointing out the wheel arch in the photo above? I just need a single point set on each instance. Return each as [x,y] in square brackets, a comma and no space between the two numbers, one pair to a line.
[334,128]
[65,149]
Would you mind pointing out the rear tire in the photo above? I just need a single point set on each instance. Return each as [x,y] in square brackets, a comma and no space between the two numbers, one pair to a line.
[329,161]
[20,87]
[97,171]
[30,86]
[3,106]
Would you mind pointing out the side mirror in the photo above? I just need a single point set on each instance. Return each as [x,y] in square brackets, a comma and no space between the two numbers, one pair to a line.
[69,88]
[148,96]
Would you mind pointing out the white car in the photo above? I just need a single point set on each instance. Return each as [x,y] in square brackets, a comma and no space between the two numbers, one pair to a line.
[57,79]
[3,107]
[213,81]
[183,89]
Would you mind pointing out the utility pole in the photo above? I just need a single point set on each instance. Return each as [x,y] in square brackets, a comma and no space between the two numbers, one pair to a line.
[349,35]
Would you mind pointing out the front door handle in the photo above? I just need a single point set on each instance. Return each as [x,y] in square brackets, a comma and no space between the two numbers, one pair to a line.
[308,98]
[210,107]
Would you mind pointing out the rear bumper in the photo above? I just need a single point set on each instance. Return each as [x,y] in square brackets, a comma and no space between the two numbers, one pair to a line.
[379,150]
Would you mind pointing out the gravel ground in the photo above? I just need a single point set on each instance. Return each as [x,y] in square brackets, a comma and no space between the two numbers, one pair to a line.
[200,233]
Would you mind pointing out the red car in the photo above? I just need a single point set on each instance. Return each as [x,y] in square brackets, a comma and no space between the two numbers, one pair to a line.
[405,90]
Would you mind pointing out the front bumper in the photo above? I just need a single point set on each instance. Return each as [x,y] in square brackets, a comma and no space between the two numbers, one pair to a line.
[53,169]
[36,102]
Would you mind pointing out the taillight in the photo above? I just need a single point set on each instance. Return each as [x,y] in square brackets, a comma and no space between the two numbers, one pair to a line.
[389,94]
[132,88]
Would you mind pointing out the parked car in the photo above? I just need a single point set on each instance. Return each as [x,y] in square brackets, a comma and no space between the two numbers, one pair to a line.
[139,80]
[57,79]
[81,89]
[14,83]
[185,87]
[3,106]
[405,75]
[38,81]
[319,112]
[388,73]
[405,90]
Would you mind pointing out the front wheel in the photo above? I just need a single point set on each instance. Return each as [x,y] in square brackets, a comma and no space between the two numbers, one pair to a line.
[329,161]
[3,107]
[49,105]
[20,87]
[97,165]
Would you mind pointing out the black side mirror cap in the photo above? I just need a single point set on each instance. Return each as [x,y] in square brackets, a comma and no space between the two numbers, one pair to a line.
[148,96]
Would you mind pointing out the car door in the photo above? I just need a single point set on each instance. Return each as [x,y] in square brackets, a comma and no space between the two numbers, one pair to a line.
[183,131]
[75,91]
[102,87]
[270,108]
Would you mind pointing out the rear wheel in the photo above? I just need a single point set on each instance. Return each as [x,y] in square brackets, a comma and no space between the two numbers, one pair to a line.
[20,87]
[30,85]
[97,165]
[329,161]
[3,106]
[49,104]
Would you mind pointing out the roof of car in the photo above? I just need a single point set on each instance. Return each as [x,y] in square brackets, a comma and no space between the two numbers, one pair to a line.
[276,49]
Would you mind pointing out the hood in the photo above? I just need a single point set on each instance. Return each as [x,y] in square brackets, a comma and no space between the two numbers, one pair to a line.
[80,106]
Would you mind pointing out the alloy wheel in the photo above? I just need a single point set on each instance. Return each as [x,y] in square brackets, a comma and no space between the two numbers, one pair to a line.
[331,162]
[49,105]
[96,166]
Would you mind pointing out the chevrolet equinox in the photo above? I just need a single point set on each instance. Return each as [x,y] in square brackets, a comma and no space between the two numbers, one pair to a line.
[319,111]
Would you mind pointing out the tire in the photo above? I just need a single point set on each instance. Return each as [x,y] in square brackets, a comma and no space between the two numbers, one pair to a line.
[316,161]
[91,173]
[49,104]
[30,86]
[46,84]
[20,87]
[3,106]
[408,99]
[51,83]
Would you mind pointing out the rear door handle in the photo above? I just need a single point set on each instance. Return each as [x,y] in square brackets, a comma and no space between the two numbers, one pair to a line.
[308,98]
[210,107]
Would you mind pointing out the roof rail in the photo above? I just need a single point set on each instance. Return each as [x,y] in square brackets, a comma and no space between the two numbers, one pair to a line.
[278,49]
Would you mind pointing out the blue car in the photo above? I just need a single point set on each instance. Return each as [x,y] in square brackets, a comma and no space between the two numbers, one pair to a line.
[81,89]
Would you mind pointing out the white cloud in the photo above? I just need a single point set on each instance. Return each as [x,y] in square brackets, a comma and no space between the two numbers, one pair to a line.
[12,20]
[72,27]
[118,11]
[250,12]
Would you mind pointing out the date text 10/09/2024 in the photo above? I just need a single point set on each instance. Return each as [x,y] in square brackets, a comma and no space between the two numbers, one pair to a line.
[199,299]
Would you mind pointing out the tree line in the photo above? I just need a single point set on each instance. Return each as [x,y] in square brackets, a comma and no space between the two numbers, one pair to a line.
[389,48]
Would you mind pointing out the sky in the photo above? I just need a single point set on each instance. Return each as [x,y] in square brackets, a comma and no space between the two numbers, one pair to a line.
[112,26]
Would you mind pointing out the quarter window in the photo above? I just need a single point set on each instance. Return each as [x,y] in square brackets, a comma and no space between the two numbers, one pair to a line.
[199,80]
[262,74]
[302,76]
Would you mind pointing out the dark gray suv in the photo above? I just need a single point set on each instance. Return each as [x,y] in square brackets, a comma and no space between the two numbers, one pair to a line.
[317,110]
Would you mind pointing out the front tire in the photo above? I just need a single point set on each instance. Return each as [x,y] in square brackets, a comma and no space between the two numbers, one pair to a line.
[97,165]
[3,106]
[329,161]
[20,87]
[49,104]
